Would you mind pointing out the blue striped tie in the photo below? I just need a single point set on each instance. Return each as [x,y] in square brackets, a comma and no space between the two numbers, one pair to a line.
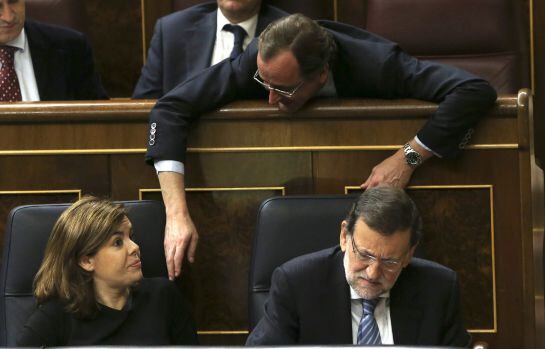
[368,333]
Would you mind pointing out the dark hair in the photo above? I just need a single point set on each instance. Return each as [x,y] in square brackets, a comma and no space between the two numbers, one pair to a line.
[386,210]
[311,44]
[80,231]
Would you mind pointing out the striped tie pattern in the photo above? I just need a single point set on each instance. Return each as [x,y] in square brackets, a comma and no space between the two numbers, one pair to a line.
[9,83]
[368,333]
[239,34]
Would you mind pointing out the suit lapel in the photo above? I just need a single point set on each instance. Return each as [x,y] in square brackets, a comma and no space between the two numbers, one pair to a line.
[46,62]
[201,43]
[337,310]
[405,312]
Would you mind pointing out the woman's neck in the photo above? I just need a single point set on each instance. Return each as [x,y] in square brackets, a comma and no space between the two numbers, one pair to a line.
[110,297]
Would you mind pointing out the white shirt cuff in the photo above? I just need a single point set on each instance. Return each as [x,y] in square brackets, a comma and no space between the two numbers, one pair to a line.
[169,166]
[425,147]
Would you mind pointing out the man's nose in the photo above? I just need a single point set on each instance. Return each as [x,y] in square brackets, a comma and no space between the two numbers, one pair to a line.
[6,13]
[373,271]
[273,97]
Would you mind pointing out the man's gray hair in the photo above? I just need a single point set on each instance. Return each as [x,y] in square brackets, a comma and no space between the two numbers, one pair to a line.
[386,210]
[312,45]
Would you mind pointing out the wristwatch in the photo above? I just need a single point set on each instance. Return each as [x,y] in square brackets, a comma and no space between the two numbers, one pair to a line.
[413,158]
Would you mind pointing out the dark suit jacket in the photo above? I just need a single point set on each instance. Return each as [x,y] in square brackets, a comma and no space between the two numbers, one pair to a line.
[182,45]
[366,66]
[309,303]
[63,63]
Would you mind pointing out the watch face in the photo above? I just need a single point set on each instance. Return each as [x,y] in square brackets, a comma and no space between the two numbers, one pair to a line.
[413,158]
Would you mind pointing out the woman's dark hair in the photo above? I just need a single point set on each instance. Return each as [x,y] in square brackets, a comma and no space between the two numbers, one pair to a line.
[80,231]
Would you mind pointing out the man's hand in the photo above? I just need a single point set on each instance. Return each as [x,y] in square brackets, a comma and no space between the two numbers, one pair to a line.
[394,170]
[181,237]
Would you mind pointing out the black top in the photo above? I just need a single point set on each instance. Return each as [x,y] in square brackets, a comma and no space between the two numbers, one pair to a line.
[155,314]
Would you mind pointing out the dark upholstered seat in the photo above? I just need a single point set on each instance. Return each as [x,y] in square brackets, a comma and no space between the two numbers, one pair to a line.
[288,227]
[27,231]
[485,37]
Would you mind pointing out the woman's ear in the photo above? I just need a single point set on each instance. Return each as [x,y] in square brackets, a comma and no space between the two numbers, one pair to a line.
[87,263]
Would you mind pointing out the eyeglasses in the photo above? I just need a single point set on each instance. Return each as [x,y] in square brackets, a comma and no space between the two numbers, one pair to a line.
[389,265]
[268,87]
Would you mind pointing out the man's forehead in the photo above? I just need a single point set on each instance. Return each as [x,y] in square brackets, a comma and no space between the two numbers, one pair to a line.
[282,69]
[363,233]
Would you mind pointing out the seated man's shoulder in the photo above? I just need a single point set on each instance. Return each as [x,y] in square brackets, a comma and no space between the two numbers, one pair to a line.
[55,34]
[429,271]
[320,260]
[190,14]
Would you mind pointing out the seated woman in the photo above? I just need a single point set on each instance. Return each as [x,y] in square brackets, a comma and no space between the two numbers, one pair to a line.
[90,289]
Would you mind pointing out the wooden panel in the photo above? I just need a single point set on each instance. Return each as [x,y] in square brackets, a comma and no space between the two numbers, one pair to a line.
[115,32]
[219,278]
[249,144]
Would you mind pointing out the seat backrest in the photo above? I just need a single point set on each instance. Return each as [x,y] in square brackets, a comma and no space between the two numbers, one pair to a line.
[485,37]
[27,231]
[287,227]
[67,13]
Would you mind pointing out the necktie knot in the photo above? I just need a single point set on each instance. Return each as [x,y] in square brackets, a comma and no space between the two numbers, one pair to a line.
[6,55]
[239,34]
[369,306]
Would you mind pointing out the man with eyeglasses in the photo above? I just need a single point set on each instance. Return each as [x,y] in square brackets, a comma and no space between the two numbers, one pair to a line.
[367,291]
[297,59]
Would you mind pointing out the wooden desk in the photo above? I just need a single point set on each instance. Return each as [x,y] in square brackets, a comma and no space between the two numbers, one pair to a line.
[482,212]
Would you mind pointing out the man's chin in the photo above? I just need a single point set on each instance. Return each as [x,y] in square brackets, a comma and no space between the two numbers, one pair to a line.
[287,108]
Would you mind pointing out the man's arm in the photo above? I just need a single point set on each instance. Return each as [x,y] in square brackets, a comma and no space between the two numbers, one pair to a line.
[279,324]
[455,333]
[180,232]
[463,100]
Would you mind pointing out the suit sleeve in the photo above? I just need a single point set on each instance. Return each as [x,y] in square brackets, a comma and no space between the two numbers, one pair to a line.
[454,331]
[206,91]
[463,99]
[279,324]
[150,83]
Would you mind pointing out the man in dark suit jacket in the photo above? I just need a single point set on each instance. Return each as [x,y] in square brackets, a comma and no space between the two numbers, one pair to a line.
[183,42]
[299,59]
[63,63]
[51,62]
[316,299]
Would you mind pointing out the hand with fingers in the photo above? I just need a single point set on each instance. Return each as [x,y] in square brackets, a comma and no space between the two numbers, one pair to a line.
[393,171]
[181,240]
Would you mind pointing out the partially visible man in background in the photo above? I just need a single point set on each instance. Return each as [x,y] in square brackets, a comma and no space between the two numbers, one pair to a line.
[188,41]
[42,62]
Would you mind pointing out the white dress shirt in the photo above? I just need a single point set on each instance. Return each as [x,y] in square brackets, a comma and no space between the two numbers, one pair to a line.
[24,68]
[223,46]
[382,316]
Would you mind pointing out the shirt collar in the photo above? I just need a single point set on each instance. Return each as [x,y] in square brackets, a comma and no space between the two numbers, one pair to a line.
[19,42]
[248,25]
[355,296]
